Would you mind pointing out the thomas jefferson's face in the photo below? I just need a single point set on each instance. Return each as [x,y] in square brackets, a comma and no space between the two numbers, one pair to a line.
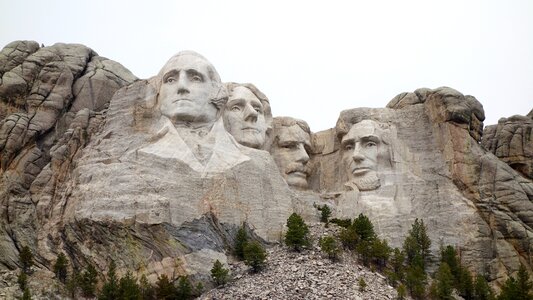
[186,90]
[244,118]
[361,148]
[291,155]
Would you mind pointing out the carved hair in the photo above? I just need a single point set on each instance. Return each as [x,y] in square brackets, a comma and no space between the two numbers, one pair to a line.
[279,122]
[230,86]
[219,99]
[343,127]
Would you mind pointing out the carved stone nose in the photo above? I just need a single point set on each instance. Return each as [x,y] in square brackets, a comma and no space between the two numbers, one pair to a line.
[250,114]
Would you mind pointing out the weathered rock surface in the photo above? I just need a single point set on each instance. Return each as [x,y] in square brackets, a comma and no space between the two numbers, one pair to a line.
[511,140]
[89,167]
[50,103]
[436,170]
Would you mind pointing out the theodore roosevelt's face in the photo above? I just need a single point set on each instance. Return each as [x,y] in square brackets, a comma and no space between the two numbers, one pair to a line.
[186,90]
[244,118]
[290,153]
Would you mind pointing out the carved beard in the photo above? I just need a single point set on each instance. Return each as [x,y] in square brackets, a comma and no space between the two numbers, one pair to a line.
[365,183]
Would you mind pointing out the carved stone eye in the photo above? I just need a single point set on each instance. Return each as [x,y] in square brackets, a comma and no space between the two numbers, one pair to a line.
[235,108]
[196,78]
[370,144]
[170,80]
[348,147]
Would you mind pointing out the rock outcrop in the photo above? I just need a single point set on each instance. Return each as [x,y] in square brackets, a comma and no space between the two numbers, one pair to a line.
[511,140]
[102,166]
[51,99]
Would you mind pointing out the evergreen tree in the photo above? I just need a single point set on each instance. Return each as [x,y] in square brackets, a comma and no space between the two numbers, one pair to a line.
[450,257]
[362,284]
[147,290]
[72,285]
[415,281]
[164,288]
[240,240]
[416,245]
[524,284]
[482,290]
[87,282]
[26,295]
[364,228]
[22,280]
[184,288]
[110,290]
[60,267]
[198,290]
[325,213]
[349,238]
[254,255]
[402,292]
[518,288]
[128,288]
[465,285]
[329,246]
[380,253]
[219,273]
[444,282]
[26,259]
[396,274]
[297,232]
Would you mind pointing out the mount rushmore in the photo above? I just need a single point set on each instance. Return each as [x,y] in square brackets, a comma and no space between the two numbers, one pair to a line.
[159,173]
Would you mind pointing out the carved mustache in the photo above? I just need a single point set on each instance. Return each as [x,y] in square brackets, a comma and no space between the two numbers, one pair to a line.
[297,167]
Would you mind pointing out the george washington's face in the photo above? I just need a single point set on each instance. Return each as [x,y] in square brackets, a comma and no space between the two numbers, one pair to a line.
[186,90]
[244,118]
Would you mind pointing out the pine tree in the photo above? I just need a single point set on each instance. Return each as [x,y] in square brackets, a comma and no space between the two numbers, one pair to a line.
[329,246]
[147,290]
[380,253]
[128,288]
[325,213]
[254,255]
[349,238]
[444,282]
[22,280]
[110,289]
[518,288]
[482,290]
[72,285]
[26,295]
[87,282]
[60,267]
[219,273]
[402,292]
[465,285]
[397,273]
[364,228]
[164,288]
[240,240]
[415,281]
[184,288]
[297,232]
[26,259]
[362,284]
[416,245]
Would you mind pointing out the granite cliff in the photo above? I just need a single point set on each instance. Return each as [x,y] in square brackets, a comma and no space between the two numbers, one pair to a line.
[159,173]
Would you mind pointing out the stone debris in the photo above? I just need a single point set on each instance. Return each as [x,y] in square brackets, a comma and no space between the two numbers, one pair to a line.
[305,275]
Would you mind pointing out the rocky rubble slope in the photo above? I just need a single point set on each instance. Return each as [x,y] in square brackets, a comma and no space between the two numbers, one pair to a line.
[305,275]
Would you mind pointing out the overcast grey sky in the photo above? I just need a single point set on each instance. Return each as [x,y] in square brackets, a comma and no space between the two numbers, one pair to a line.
[311,58]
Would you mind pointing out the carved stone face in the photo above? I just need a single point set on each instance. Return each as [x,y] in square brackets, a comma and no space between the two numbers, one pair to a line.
[244,118]
[186,90]
[362,148]
[290,153]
